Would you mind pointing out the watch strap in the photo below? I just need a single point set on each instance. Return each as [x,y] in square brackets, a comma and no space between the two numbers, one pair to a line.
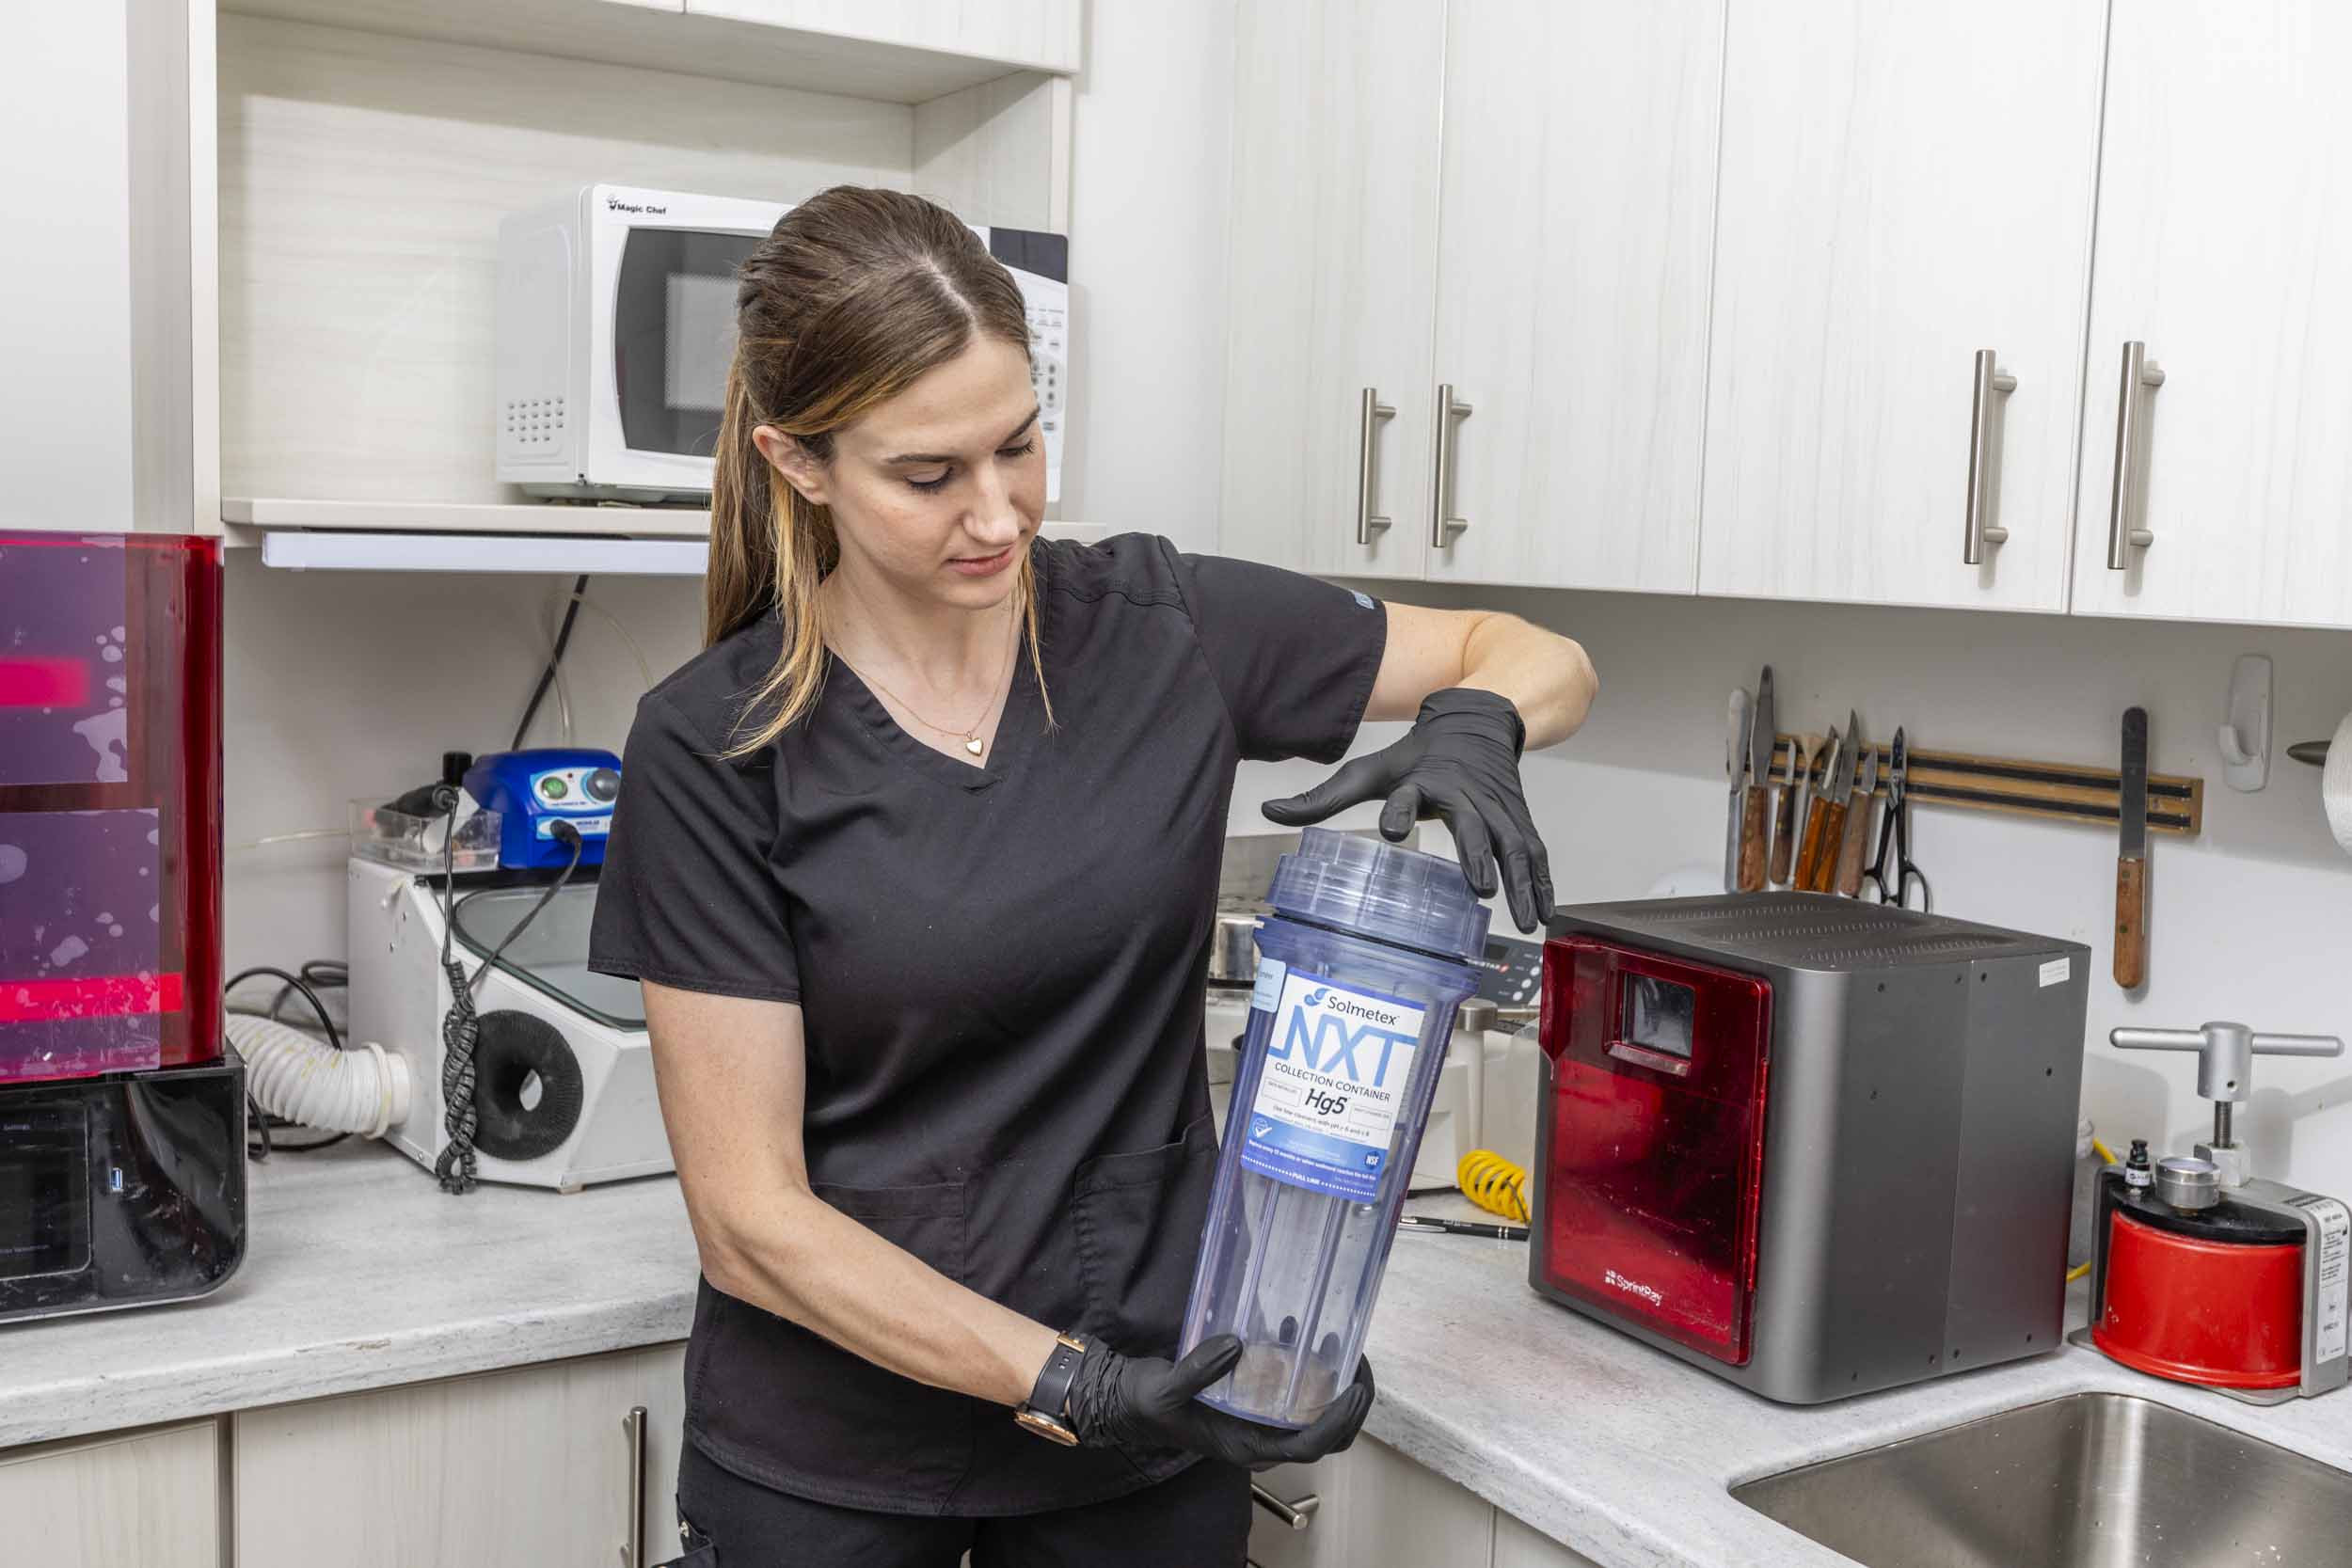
[1046,1409]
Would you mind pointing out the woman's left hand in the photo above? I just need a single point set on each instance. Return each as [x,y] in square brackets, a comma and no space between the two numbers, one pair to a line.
[1460,762]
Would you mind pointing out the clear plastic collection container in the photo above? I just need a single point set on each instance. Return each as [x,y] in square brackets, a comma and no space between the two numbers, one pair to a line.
[1361,967]
[391,837]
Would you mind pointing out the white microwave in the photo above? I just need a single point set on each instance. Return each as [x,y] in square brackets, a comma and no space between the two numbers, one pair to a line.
[616,326]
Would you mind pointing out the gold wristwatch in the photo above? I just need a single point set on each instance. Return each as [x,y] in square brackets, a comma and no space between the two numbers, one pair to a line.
[1047,1409]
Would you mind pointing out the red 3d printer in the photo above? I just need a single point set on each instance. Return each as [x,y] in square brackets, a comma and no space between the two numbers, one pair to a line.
[122,1116]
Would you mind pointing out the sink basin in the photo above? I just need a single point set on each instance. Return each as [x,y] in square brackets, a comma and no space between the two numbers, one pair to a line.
[2095,1481]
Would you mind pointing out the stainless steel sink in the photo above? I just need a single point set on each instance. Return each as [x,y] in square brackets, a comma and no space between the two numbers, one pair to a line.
[2097,1481]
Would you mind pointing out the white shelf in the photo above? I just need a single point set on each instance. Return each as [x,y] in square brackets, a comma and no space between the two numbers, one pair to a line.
[300,550]
[659,37]
[440,536]
[528,517]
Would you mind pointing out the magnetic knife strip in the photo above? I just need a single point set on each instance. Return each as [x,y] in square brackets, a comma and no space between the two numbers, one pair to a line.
[2057,790]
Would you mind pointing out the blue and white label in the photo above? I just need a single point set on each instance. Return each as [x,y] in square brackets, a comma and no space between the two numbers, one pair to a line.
[588,827]
[1333,1082]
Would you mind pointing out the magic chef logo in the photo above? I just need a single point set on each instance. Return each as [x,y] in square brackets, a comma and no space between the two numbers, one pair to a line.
[614,205]
[1651,1294]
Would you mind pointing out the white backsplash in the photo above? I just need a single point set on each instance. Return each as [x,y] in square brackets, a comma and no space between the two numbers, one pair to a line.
[2249,919]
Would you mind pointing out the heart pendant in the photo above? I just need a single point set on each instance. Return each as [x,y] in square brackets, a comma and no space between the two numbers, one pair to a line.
[972,745]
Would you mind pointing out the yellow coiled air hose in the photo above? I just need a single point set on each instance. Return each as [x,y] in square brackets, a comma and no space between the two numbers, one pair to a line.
[1494,1183]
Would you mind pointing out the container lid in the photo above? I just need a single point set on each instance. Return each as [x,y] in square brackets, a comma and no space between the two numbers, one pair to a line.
[1381,892]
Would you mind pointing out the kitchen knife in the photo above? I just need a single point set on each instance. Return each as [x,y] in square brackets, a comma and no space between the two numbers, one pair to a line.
[1754,800]
[1735,765]
[1843,768]
[1803,751]
[1784,831]
[1850,853]
[2131,861]
[1823,822]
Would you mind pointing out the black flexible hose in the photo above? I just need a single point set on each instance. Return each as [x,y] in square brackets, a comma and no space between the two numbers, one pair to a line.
[547,676]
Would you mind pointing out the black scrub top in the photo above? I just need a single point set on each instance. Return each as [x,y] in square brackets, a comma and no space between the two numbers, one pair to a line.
[1001,971]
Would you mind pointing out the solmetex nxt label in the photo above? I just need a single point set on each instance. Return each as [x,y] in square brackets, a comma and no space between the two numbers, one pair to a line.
[1337,1064]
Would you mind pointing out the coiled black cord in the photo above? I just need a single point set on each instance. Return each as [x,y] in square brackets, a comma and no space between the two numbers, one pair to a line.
[454,1166]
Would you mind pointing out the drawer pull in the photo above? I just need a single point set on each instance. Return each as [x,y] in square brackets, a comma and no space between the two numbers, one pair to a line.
[1298,1515]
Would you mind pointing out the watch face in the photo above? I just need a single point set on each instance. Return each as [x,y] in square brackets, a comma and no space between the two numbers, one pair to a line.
[1046,1427]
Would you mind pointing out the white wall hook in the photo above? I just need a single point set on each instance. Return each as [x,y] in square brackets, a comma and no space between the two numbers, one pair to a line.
[2243,736]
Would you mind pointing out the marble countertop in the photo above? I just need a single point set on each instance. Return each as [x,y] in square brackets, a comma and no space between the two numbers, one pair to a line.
[362,1274]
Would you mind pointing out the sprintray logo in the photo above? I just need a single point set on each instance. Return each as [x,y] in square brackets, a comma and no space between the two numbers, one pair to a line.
[1634,1287]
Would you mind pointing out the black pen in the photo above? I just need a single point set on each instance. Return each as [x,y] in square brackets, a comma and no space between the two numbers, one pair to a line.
[1464,1227]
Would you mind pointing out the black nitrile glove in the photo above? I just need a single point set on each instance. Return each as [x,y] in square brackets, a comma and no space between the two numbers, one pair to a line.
[1123,1401]
[1460,762]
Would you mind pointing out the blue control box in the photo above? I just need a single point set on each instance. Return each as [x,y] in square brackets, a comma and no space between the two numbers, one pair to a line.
[532,791]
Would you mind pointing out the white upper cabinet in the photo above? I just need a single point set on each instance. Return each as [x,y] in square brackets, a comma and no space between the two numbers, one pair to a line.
[1903,187]
[1039,34]
[1332,264]
[1579,180]
[2225,248]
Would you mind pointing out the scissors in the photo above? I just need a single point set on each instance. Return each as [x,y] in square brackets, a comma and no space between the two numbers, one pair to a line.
[1894,874]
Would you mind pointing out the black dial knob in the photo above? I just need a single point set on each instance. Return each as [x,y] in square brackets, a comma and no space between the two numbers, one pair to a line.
[603,784]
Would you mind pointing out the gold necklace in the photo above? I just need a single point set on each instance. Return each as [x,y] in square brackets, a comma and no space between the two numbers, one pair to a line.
[969,734]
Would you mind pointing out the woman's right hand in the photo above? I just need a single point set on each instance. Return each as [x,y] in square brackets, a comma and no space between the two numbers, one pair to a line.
[1144,1402]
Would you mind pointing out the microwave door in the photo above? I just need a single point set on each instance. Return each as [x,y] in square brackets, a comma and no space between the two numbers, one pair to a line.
[674,336]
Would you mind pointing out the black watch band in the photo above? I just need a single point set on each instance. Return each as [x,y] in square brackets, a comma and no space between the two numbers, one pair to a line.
[1046,1409]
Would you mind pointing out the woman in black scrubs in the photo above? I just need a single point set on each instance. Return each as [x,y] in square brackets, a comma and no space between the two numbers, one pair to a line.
[916,862]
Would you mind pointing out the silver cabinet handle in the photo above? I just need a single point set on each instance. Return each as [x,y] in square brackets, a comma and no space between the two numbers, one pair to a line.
[2127,514]
[1298,1515]
[1451,412]
[634,1549]
[1367,424]
[1985,420]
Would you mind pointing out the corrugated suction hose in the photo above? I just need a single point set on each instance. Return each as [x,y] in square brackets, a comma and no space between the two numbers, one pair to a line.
[361,1090]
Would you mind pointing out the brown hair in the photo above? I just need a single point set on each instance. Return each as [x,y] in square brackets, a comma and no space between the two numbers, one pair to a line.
[851,296]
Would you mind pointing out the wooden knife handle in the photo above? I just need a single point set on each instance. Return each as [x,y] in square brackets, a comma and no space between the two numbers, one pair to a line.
[1785,832]
[1850,851]
[1824,830]
[1752,840]
[2131,924]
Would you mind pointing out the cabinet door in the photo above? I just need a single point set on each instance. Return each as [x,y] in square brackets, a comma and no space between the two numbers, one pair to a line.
[1331,262]
[1519,1547]
[2224,238]
[1376,1509]
[1038,33]
[148,1499]
[1400,1515]
[1579,180]
[520,1467]
[1902,187]
[109,407]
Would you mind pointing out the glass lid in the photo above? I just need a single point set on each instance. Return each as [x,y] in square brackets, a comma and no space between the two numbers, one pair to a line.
[551,955]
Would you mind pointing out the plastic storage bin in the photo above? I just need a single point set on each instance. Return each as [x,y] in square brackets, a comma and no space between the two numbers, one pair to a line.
[1361,967]
[393,837]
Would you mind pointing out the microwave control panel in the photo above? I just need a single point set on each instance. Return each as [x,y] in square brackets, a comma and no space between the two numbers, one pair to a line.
[1040,264]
